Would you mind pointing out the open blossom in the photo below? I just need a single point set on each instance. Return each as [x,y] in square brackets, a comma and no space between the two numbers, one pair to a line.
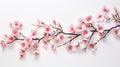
[105,9]
[16,25]
[69,47]
[116,31]
[100,28]
[35,45]
[88,18]
[48,28]
[61,36]
[23,44]
[79,27]
[15,32]
[85,32]
[34,33]
[28,40]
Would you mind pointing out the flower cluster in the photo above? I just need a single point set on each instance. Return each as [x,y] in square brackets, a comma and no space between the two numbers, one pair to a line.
[54,36]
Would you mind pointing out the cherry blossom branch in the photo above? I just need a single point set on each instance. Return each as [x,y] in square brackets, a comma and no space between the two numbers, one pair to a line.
[54,34]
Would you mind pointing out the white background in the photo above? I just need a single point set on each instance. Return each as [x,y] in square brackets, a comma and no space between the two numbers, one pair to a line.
[67,12]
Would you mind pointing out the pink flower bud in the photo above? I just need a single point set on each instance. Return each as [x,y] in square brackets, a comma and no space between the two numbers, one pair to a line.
[36,53]
[47,28]
[3,43]
[77,46]
[84,40]
[72,29]
[92,46]
[53,48]
[99,16]
[45,42]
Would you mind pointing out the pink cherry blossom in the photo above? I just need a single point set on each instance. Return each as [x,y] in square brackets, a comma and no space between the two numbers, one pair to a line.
[88,18]
[28,40]
[100,28]
[35,45]
[11,38]
[47,28]
[61,36]
[79,27]
[34,33]
[88,25]
[69,47]
[15,32]
[92,46]
[2,42]
[105,9]
[77,46]
[36,53]
[72,29]
[53,48]
[23,44]
[85,32]
[116,31]
[45,42]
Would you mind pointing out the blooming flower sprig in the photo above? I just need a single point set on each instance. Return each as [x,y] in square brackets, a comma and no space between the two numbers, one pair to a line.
[53,35]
